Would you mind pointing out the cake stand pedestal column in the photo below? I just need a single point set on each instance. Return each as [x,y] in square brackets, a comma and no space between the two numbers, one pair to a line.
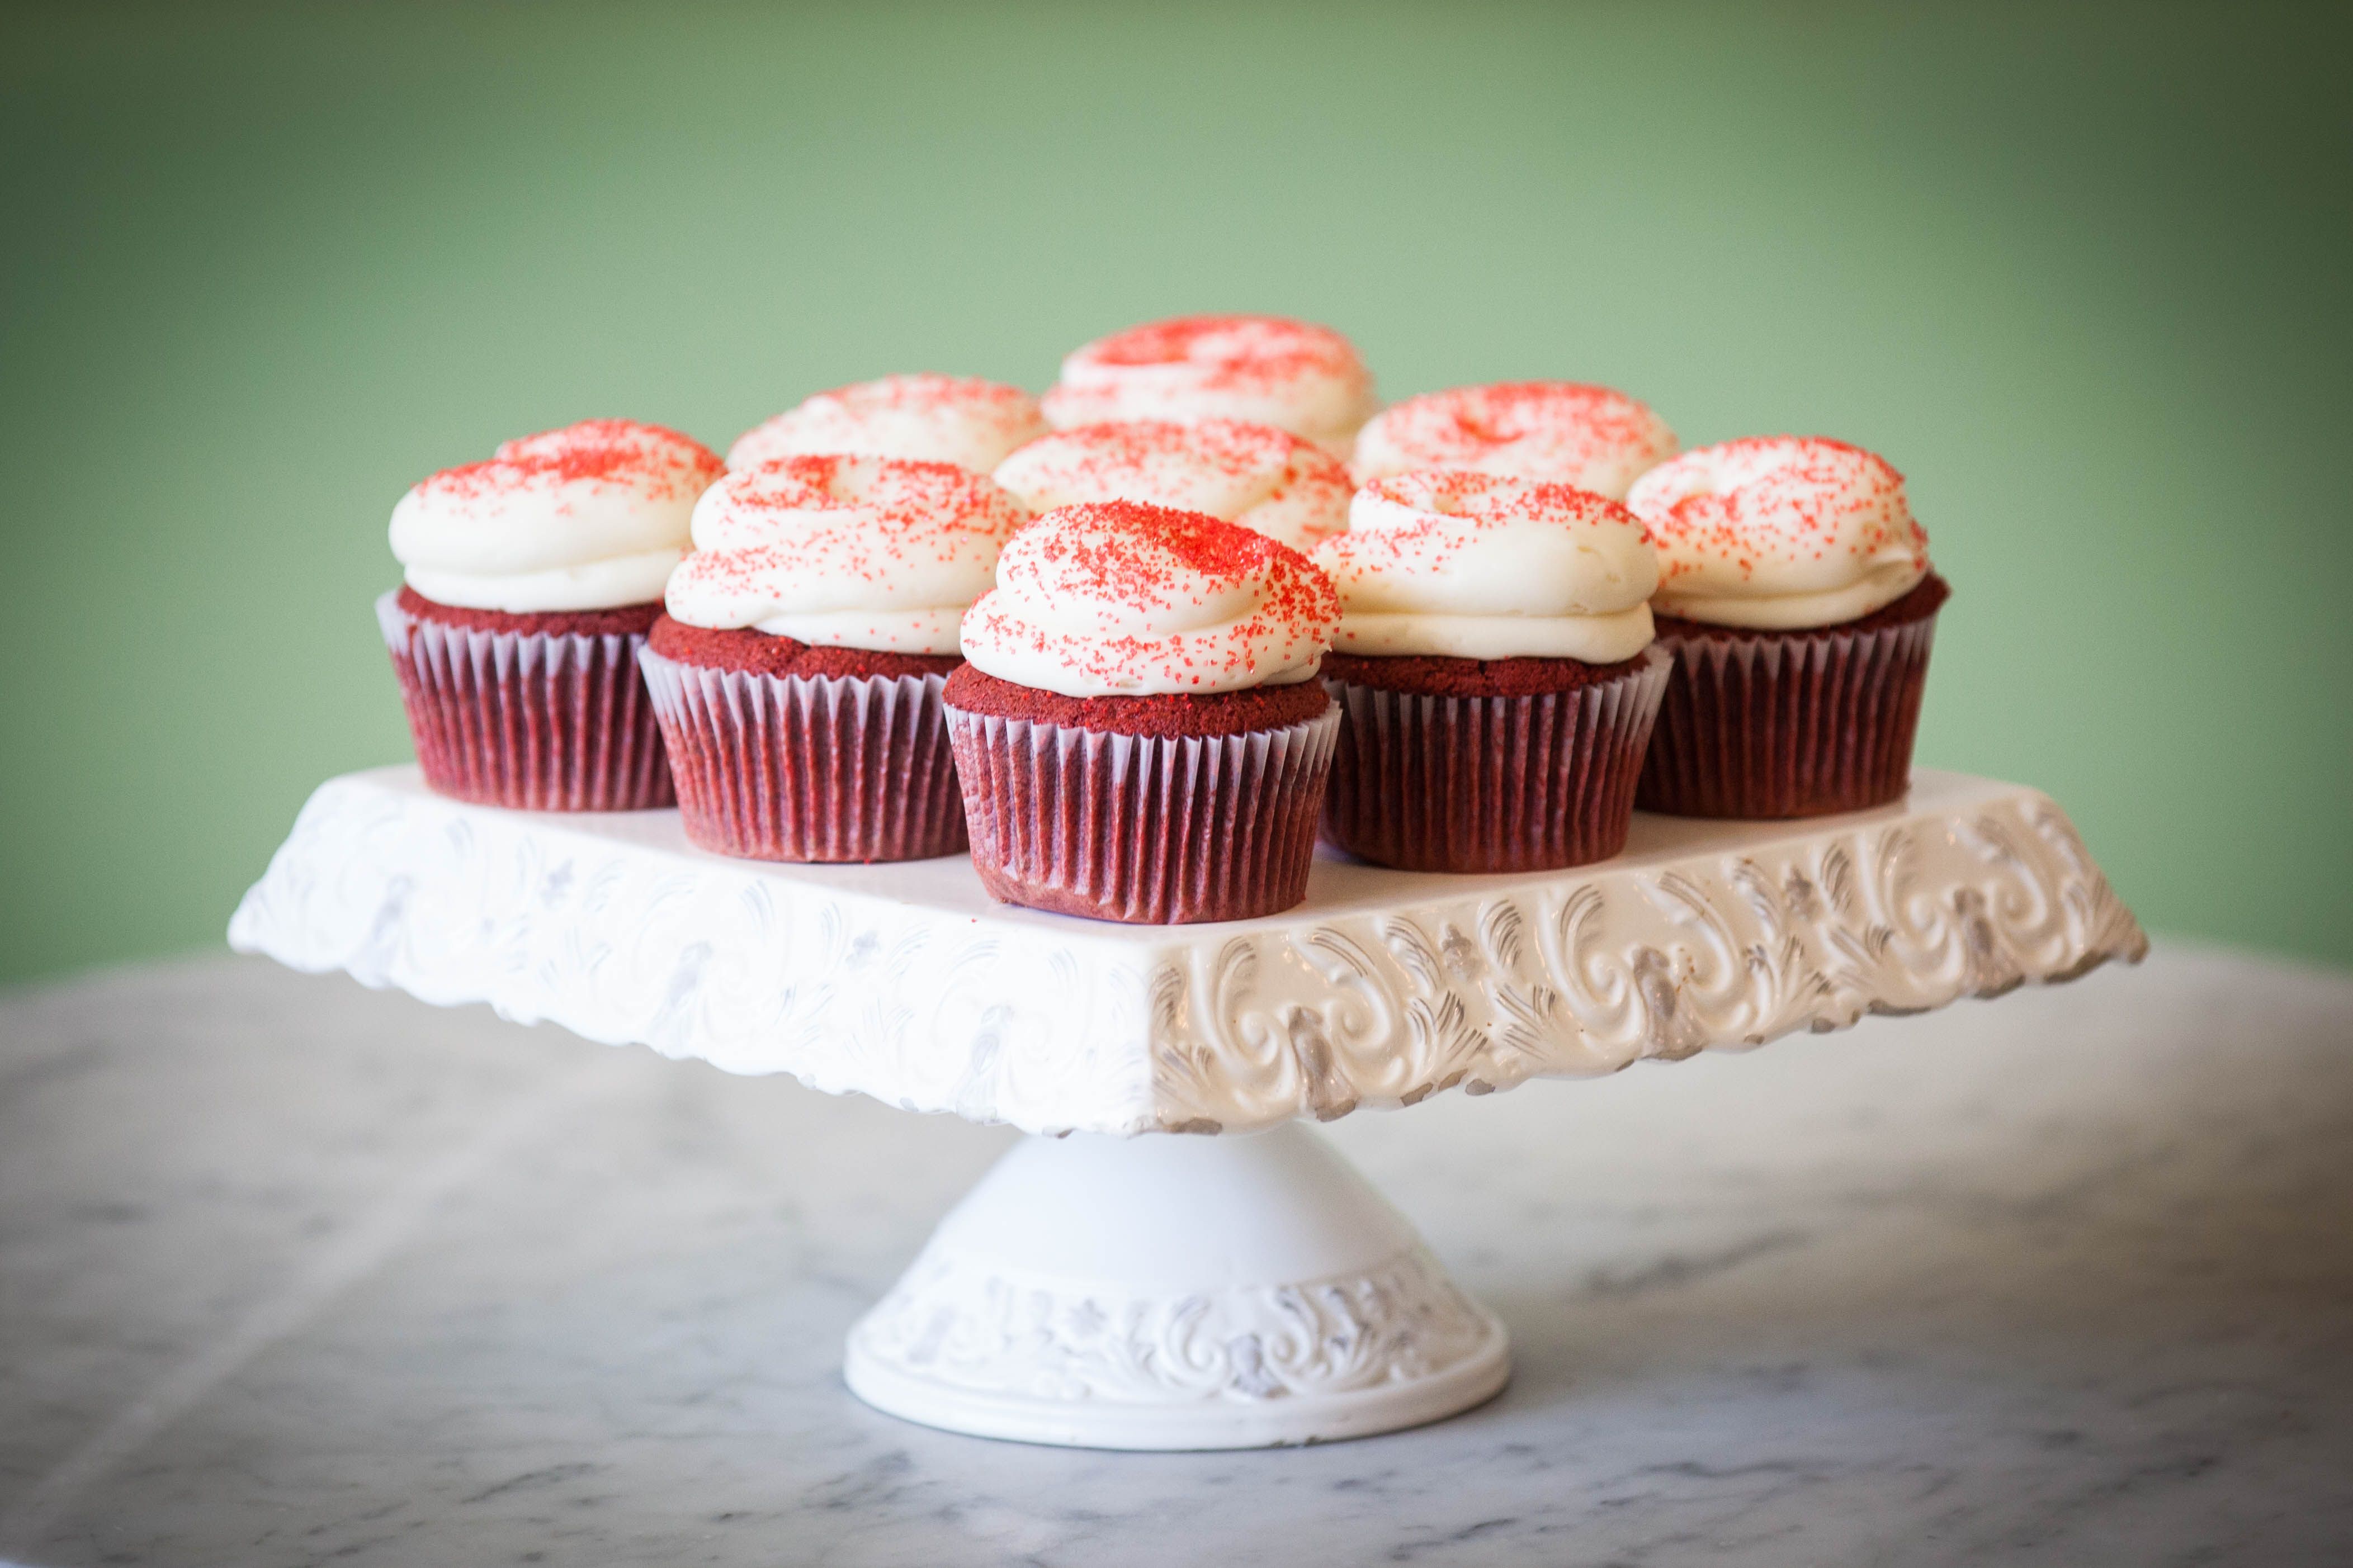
[1172,1292]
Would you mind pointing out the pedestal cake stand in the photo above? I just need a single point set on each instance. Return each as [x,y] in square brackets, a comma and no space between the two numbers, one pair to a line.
[1183,1290]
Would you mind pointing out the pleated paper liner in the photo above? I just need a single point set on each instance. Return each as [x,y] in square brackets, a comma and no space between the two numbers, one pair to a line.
[1146,829]
[809,767]
[1434,782]
[1781,724]
[540,721]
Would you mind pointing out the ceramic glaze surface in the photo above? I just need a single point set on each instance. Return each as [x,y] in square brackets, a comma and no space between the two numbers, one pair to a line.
[906,983]
[1174,1293]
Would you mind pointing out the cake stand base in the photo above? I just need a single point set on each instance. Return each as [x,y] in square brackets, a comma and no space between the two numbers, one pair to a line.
[1180,1290]
[1175,1292]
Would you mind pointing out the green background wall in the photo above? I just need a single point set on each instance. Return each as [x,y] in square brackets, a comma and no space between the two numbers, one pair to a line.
[2083,278]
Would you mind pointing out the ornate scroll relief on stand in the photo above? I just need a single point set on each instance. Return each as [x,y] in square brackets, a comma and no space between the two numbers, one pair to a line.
[1570,976]
[1132,1292]
[1048,1339]
[906,983]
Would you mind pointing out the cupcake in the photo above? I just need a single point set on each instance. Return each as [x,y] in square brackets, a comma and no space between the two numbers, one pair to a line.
[798,670]
[1495,671]
[1294,376]
[1796,596]
[926,418]
[1139,731]
[1269,480]
[1557,431]
[532,580]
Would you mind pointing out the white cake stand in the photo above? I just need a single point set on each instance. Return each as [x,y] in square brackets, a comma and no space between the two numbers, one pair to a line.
[1105,1289]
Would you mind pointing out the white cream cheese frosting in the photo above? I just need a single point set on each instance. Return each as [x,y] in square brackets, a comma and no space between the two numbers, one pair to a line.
[1467,565]
[1293,376]
[1266,479]
[845,552]
[590,517]
[1779,533]
[924,417]
[1563,432]
[1124,599]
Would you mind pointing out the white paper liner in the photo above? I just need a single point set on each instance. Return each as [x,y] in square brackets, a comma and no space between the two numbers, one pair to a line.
[805,768]
[530,719]
[1435,782]
[1149,830]
[1794,725]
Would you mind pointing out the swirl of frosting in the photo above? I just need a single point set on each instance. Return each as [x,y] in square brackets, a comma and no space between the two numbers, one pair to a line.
[845,552]
[1269,480]
[1779,533]
[1467,565]
[590,517]
[1559,431]
[1125,599]
[1271,371]
[925,418]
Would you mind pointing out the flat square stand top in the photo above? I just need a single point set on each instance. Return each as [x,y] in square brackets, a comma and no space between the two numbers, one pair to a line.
[907,983]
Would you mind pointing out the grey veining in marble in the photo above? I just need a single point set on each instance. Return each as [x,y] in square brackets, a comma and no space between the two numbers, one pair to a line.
[293,1273]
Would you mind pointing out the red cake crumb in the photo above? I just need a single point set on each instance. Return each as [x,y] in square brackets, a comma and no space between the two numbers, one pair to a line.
[1162,716]
[1431,674]
[622,620]
[1926,599]
[758,653]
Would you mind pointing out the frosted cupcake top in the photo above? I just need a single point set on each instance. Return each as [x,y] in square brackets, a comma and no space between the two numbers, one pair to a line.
[924,417]
[1268,480]
[1560,431]
[1291,374]
[1125,599]
[1467,565]
[1779,533]
[590,517]
[845,552]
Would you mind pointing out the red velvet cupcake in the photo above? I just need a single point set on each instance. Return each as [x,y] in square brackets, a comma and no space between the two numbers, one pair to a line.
[1495,673]
[532,579]
[798,672]
[1139,734]
[1797,598]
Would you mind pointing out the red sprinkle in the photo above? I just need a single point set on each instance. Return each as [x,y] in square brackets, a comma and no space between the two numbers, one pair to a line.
[1792,492]
[1129,563]
[594,451]
[1231,351]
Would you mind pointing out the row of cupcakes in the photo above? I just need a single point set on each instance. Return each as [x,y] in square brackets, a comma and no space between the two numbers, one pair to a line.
[1137,637]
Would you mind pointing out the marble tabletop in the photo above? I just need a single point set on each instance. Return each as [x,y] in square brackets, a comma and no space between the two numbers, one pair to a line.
[291,1272]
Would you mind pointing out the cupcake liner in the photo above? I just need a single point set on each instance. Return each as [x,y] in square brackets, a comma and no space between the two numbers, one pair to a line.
[1780,725]
[1149,830]
[540,721]
[820,767]
[1434,783]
